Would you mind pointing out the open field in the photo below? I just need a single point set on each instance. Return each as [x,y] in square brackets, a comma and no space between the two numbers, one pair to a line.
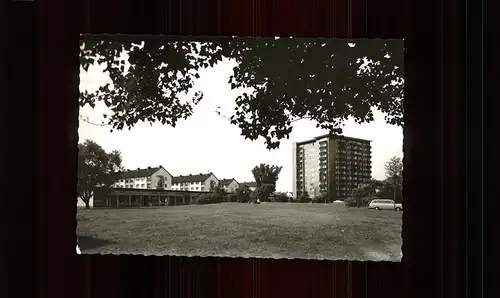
[269,230]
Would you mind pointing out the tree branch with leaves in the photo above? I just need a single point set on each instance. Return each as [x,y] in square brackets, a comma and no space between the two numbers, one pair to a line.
[324,80]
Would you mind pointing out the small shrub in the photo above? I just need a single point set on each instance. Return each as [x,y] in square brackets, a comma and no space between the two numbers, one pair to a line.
[281,198]
[262,192]
[304,198]
[323,198]
[365,202]
[209,199]
[329,199]
[203,199]
[319,199]
[350,202]
[245,198]
[215,198]
[232,198]
[243,195]
[353,202]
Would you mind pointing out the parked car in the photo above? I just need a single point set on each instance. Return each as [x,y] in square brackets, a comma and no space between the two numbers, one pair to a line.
[385,204]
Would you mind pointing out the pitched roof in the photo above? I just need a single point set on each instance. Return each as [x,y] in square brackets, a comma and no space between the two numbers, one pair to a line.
[191,178]
[249,184]
[147,172]
[226,182]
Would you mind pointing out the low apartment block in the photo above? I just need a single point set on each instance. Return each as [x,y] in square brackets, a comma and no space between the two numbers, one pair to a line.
[148,178]
[200,182]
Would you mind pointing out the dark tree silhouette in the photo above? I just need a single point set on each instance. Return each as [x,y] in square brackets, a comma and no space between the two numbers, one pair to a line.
[319,79]
[243,194]
[96,169]
[266,174]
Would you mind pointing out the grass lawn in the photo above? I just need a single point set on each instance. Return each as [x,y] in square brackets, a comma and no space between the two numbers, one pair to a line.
[270,230]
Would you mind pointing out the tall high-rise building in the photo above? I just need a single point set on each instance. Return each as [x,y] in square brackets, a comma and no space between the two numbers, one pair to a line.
[333,165]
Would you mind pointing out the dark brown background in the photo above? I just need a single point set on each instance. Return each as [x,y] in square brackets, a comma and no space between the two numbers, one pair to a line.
[44,86]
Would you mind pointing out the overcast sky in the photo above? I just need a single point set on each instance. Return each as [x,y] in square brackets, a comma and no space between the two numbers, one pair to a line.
[208,142]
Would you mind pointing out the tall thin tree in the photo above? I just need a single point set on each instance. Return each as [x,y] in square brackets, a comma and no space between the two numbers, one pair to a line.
[266,177]
[394,174]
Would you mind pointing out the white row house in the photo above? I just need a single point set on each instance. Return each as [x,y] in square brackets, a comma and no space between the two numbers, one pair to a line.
[229,185]
[160,178]
[200,182]
[149,178]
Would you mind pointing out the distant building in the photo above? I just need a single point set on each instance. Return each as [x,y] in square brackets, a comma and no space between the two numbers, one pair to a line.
[148,178]
[200,182]
[249,185]
[332,165]
[229,185]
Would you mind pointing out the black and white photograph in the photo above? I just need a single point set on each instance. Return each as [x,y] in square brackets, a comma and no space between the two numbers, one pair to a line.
[282,147]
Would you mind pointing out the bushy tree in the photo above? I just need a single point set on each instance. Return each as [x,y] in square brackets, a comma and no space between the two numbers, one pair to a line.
[265,177]
[324,80]
[394,170]
[367,191]
[265,174]
[376,185]
[387,192]
[97,169]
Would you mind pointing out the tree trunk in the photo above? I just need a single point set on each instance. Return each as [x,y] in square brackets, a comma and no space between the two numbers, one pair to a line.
[86,200]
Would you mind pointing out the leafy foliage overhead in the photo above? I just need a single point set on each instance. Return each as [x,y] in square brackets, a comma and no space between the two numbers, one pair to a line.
[292,79]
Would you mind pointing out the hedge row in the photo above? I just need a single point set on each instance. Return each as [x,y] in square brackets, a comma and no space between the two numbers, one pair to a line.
[216,198]
[353,202]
